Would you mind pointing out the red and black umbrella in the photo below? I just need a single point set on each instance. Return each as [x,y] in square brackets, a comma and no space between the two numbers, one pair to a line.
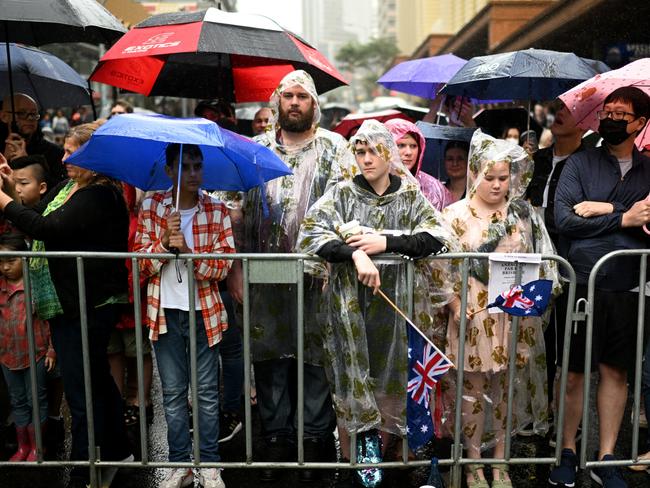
[349,124]
[209,54]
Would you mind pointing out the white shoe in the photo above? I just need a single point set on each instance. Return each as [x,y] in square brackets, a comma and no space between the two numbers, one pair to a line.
[211,478]
[177,478]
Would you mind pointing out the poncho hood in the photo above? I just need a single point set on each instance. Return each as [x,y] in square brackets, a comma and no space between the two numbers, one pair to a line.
[400,128]
[302,79]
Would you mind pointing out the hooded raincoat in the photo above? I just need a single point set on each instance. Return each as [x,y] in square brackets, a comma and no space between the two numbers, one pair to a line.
[318,163]
[435,191]
[515,228]
[365,340]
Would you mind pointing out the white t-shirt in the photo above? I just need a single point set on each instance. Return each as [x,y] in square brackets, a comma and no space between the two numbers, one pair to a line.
[556,159]
[172,293]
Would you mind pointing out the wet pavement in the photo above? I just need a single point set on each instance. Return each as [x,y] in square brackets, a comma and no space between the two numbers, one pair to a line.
[524,476]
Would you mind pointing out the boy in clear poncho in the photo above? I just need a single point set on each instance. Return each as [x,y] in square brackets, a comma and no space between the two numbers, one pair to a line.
[382,210]
[494,218]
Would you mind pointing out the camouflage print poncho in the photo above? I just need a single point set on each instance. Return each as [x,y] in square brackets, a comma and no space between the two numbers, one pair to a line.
[515,228]
[364,339]
[318,163]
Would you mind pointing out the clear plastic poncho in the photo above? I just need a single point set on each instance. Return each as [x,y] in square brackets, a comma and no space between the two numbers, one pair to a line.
[319,162]
[515,228]
[365,340]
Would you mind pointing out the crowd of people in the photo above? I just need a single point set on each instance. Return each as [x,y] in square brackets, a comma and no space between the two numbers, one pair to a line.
[345,202]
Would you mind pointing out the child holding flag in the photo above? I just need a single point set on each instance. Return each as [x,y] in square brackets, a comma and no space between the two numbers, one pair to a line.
[379,211]
[494,218]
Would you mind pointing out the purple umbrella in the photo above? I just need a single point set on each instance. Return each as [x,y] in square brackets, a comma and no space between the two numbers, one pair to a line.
[422,77]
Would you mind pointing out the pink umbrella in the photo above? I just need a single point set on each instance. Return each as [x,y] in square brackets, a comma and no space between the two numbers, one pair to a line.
[585,99]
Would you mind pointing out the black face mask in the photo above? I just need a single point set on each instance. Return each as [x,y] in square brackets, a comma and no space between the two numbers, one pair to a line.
[613,132]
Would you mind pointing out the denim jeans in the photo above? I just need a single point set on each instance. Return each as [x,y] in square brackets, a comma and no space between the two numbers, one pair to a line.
[232,359]
[110,433]
[275,381]
[19,384]
[173,358]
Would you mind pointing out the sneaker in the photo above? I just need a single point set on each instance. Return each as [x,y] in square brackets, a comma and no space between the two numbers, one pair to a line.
[276,450]
[565,474]
[608,476]
[211,478]
[229,425]
[177,477]
[369,451]
[551,440]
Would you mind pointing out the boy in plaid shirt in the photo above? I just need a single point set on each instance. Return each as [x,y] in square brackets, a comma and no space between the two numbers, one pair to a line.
[201,225]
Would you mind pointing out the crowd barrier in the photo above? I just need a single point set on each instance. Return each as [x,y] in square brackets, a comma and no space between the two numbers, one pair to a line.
[289,269]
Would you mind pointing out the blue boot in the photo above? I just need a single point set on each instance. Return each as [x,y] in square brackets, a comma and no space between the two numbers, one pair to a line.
[369,451]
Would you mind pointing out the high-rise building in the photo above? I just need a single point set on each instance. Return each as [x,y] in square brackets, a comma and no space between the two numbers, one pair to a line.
[331,24]
[387,19]
[409,22]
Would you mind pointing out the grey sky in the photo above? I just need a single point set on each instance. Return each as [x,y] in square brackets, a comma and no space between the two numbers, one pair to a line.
[288,13]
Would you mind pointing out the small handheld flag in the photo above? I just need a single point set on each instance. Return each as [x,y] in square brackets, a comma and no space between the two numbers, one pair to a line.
[526,300]
[426,364]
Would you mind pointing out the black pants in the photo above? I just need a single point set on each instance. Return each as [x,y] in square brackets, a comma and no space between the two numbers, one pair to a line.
[110,433]
[275,381]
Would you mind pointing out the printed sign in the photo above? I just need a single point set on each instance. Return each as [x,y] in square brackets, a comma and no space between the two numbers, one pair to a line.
[503,269]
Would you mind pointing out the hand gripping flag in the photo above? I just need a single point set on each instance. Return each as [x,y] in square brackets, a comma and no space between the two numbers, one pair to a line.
[530,299]
[426,365]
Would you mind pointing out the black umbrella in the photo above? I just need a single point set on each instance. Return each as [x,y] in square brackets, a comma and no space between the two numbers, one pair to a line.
[42,76]
[38,22]
[494,121]
[535,74]
[437,137]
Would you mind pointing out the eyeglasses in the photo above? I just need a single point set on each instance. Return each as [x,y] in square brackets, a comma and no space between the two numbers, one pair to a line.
[615,115]
[27,115]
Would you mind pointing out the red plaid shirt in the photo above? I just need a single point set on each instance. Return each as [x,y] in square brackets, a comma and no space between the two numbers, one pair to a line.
[14,347]
[212,234]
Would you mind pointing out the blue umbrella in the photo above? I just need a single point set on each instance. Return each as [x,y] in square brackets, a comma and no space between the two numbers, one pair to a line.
[42,76]
[523,75]
[422,77]
[132,147]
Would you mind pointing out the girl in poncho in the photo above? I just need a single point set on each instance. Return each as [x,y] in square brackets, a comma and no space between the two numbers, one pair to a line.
[494,218]
[411,145]
[379,211]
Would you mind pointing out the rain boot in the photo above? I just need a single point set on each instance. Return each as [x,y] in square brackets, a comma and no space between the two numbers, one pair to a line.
[32,440]
[24,446]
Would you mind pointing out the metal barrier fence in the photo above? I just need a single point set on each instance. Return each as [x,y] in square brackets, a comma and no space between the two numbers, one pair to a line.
[638,358]
[281,269]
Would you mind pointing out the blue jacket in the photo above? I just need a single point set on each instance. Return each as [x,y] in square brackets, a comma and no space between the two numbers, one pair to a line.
[595,175]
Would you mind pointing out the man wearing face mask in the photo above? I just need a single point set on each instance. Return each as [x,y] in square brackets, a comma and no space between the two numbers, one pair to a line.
[600,207]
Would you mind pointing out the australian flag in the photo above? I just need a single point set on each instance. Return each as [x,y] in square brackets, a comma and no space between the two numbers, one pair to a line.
[524,300]
[426,365]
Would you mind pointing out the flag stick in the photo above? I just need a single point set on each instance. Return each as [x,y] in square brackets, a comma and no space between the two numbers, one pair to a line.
[471,314]
[413,325]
